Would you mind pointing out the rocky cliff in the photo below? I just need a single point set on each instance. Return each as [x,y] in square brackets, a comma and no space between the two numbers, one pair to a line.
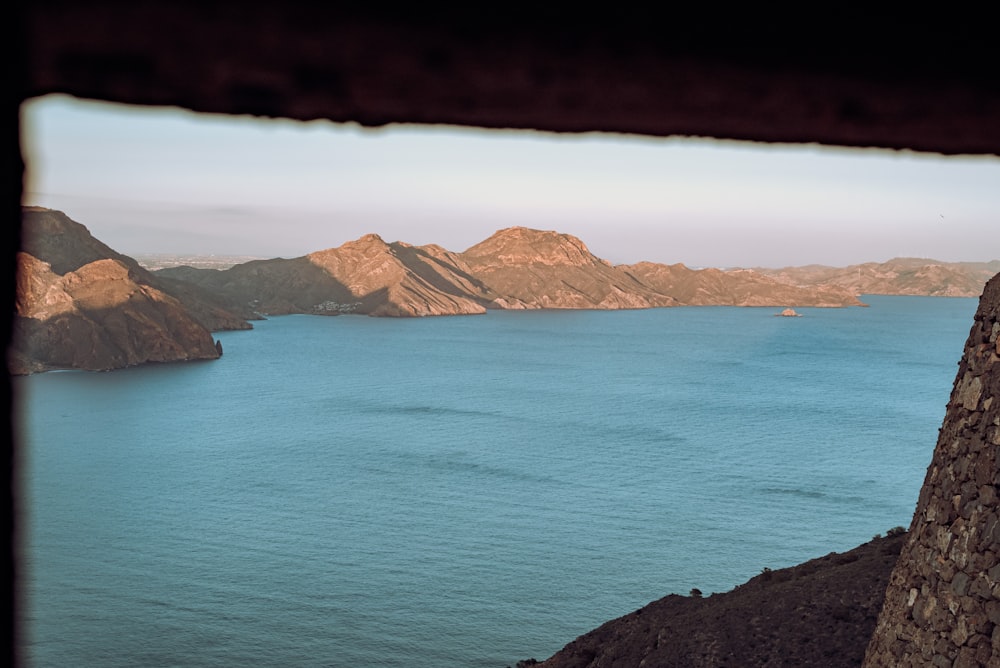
[81,305]
[942,607]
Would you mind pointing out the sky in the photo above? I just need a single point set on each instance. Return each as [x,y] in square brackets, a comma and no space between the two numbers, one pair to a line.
[164,180]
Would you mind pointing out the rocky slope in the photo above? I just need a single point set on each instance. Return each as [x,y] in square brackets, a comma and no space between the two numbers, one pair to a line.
[516,268]
[81,305]
[820,613]
[528,268]
[899,276]
[366,276]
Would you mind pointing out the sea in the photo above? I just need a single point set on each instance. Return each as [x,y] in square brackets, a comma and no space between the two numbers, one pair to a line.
[462,491]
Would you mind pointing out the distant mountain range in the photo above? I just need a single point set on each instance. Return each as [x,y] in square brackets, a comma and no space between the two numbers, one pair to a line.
[82,305]
[516,268]
[899,276]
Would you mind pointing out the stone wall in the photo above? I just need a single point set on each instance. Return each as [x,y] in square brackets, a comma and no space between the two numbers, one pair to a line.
[942,605]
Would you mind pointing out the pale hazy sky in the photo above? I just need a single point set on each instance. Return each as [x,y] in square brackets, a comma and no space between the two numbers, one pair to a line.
[147,180]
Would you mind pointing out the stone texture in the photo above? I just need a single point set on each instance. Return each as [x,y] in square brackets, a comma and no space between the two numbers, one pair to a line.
[942,596]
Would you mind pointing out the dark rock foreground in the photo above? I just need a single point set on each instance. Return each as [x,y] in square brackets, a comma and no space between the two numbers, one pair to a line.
[819,613]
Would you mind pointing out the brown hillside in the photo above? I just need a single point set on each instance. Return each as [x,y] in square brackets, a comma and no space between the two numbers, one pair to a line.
[899,276]
[528,268]
[98,318]
[81,305]
[703,287]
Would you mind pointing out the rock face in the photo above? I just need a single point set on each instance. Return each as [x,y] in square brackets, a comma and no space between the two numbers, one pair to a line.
[942,607]
[900,276]
[81,305]
[516,268]
[820,613]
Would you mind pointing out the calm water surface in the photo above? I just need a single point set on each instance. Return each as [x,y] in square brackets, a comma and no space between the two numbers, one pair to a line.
[463,491]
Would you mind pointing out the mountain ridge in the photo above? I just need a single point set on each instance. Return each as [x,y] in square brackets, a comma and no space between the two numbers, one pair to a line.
[81,304]
[515,268]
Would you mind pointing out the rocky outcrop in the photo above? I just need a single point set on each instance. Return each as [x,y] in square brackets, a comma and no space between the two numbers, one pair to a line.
[820,613]
[66,245]
[81,305]
[741,287]
[98,318]
[942,607]
[899,276]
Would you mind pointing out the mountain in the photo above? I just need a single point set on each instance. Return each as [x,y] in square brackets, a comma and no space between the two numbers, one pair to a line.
[515,268]
[366,276]
[819,613]
[899,276]
[81,305]
[742,287]
[533,269]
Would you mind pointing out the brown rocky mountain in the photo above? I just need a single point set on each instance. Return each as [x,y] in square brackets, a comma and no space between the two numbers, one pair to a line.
[741,287]
[899,276]
[516,268]
[81,305]
[533,269]
[366,276]
[819,613]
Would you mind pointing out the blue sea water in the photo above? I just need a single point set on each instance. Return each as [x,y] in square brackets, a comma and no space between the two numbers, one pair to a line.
[462,491]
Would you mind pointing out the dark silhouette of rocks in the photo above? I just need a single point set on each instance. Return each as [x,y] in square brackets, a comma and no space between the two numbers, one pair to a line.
[819,613]
[81,305]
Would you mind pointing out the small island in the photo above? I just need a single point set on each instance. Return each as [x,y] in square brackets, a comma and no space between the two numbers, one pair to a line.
[789,313]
